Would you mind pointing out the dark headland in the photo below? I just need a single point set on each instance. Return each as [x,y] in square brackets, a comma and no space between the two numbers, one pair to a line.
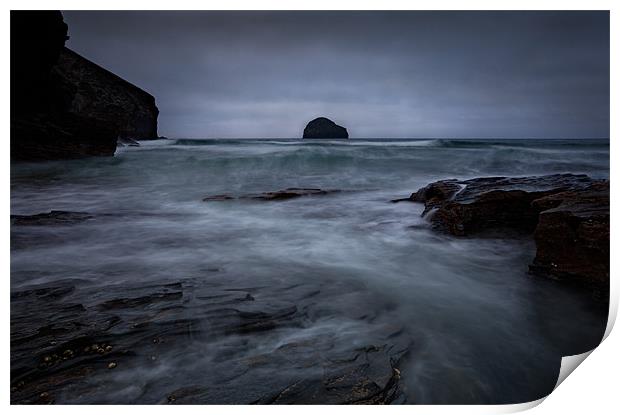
[64,106]
[324,128]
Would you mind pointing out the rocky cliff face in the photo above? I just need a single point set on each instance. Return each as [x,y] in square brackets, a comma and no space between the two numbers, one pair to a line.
[92,91]
[62,105]
[324,128]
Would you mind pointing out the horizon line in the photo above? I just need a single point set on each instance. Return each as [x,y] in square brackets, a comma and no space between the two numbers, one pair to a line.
[164,137]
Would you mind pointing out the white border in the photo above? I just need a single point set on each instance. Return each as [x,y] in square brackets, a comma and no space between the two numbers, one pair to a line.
[593,388]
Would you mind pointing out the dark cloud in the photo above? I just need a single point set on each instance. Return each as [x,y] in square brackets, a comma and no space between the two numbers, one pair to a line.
[381,74]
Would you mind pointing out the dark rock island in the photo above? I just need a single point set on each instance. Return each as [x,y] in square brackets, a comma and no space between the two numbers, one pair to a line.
[63,105]
[567,214]
[324,128]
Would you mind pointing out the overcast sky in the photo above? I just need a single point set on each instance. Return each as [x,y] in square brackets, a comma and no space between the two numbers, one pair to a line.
[379,74]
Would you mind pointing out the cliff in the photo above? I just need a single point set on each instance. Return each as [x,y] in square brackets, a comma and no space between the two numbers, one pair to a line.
[90,90]
[63,105]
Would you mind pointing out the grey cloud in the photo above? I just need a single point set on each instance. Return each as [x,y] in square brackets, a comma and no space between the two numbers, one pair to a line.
[381,74]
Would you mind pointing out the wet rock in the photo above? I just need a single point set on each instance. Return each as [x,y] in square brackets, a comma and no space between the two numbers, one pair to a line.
[472,206]
[324,128]
[141,301]
[45,292]
[286,194]
[370,377]
[217,198]
[572,236]
[433,195]
[291,193]
[367,376]
[568,215]
[200,326]
[55,217]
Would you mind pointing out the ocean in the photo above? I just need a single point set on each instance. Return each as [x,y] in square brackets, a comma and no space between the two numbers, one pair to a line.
[356,270]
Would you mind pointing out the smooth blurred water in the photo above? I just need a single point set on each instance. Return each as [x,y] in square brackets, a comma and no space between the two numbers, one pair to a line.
[482,329]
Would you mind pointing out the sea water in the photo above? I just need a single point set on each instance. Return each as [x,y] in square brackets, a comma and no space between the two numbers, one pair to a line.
[481,329]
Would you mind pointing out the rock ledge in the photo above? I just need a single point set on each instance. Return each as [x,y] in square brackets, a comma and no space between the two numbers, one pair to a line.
[568,215]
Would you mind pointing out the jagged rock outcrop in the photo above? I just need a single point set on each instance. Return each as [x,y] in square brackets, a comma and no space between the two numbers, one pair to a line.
[62,104]
[469,207]
[568,215]
[324,128]
[572,236]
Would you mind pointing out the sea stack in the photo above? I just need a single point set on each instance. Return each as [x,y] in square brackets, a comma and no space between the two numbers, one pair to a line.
[324,128]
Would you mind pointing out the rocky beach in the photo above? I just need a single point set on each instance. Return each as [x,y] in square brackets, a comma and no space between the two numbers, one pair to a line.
[297,279]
